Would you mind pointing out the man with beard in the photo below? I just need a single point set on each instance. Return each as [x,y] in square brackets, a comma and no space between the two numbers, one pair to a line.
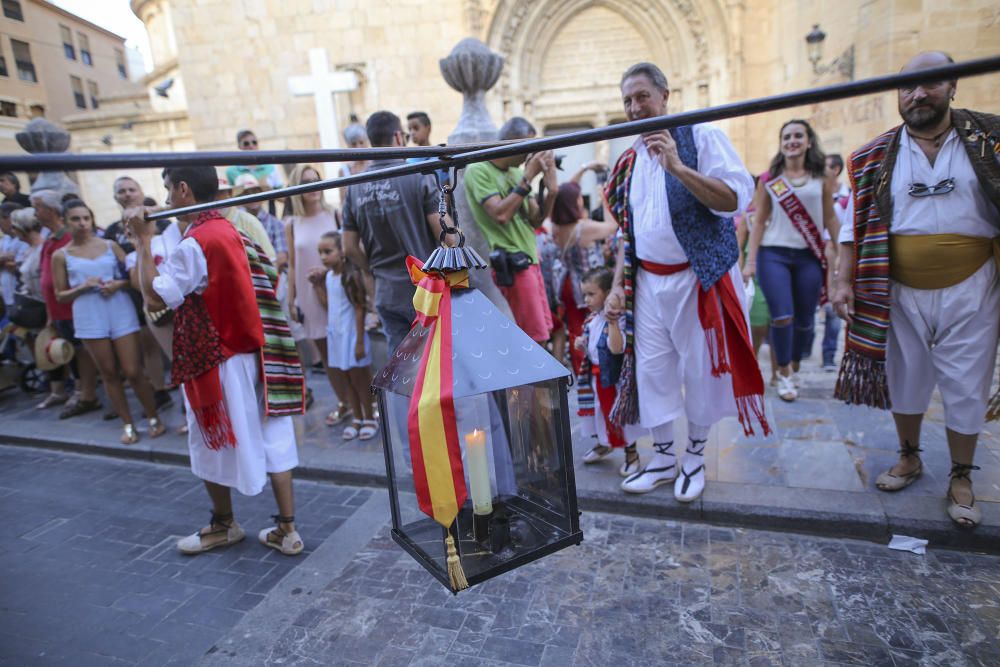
[688,351]
[918,278]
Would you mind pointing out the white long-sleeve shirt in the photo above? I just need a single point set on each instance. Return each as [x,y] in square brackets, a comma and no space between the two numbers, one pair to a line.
[655,239]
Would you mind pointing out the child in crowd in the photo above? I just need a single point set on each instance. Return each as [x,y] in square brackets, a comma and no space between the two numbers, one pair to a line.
[603,341]
[341,291]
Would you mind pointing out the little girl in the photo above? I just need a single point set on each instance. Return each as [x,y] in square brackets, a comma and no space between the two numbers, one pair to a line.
[604,344]
[341,291]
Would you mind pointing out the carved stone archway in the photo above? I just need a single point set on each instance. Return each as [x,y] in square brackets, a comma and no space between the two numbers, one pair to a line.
[675,34]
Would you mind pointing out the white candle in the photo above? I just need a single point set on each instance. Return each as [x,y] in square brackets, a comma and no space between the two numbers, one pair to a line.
[479,472]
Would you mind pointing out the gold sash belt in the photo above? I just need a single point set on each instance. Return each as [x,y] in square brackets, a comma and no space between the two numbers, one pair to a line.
[936,261]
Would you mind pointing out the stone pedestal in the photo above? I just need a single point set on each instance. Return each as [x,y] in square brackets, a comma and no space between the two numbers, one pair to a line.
[43,136]
[472,69]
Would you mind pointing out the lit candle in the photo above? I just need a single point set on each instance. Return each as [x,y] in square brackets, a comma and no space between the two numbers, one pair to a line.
[479,472]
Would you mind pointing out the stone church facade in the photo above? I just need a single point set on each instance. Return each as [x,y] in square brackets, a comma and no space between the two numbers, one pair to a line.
[229,66]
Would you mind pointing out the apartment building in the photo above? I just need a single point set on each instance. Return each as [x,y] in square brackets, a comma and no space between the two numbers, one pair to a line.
[53,63]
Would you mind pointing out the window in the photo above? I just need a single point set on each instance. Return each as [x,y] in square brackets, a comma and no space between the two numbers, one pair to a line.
[22,61]
[3,66]
[77,85]
[120,59]
[8,109]
[12,10]
[67,42]
[84,43]
[92,89]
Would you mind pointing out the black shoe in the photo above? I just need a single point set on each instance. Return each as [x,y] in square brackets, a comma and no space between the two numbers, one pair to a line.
[81,407]
[163,399]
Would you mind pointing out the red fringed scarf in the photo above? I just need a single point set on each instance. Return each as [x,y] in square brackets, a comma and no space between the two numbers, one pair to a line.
[729,345]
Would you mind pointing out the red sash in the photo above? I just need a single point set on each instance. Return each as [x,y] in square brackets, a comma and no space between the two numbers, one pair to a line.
[802,221]
[728,338]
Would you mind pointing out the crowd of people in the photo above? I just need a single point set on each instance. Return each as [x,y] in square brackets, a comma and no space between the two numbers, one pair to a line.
[657,291]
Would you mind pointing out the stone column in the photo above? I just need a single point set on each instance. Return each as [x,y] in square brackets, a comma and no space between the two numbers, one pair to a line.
[472,69]
[43,136]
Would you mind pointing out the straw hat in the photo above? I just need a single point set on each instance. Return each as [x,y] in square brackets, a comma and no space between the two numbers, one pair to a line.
[51,352]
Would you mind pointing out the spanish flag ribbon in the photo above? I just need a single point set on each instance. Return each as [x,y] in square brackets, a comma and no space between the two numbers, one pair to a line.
[438,476]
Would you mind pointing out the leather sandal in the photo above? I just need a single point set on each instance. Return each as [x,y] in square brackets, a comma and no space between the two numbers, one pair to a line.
[156,428]
[889,481]
[342,412]
[289,544]
[81,407]
[52,400]
[964,516]
[129,435]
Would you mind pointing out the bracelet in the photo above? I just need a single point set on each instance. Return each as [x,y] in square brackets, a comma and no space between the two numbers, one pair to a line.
[520,190]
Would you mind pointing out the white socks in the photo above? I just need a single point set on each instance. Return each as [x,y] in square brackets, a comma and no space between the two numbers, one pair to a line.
[663,442]
[694,455]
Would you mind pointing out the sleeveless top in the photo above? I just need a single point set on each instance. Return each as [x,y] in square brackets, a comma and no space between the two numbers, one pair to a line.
[779,230]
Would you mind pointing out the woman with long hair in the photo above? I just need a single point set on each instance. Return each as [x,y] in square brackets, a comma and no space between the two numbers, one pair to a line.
[311,218]
[578,239]
[89,272]
[787,253]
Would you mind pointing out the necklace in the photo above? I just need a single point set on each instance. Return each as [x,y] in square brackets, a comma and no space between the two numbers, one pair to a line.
[936,139]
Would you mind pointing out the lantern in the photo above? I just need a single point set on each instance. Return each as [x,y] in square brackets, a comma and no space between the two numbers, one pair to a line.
[480,481]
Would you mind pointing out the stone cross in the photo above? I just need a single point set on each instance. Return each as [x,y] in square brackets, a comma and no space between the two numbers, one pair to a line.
[323,84]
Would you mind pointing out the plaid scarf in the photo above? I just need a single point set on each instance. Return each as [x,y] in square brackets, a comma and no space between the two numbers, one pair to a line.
[585,399]
[862,379]
[284,385]
[626,408]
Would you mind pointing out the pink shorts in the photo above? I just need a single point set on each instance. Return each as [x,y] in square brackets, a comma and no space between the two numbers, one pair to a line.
[529,304]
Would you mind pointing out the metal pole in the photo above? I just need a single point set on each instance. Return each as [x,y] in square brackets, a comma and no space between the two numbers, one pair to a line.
[732,110]
[83,162]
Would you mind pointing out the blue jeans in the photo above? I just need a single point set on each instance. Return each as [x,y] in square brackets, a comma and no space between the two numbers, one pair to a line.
[394,305]
[831,331]
[791,279]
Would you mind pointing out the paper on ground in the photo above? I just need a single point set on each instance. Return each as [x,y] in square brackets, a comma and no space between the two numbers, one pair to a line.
[904,543]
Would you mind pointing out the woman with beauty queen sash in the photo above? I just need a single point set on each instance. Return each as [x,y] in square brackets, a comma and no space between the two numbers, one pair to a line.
[787,252]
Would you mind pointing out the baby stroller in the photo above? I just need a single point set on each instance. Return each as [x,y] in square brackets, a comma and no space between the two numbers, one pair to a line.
[19,336]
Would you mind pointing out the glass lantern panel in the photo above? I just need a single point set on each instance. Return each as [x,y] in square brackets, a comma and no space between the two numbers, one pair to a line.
[515,458]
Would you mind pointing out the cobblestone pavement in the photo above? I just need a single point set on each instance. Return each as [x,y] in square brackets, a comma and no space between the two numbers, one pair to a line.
[91,574]
[91,577]
[645,593]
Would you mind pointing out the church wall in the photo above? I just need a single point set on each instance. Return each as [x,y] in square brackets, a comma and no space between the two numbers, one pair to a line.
[885,34]
[236,64]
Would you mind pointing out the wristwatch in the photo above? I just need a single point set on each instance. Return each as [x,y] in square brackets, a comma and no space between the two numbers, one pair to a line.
[522,188]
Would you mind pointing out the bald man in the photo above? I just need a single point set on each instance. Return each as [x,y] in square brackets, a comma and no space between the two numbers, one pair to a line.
[918,277]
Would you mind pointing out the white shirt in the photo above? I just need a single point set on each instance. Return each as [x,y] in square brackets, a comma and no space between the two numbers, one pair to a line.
[779,231]
[655,239]
[183,272]
[160,246]
[965,210]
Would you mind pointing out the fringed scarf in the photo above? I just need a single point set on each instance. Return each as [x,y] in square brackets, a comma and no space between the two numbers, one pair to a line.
[862,379]
[585,398]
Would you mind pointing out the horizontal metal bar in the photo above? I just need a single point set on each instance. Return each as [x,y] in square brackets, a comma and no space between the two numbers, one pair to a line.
[95,161]
[733,110]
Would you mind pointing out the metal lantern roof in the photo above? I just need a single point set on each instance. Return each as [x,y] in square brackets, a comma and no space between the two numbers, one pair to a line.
[489,352]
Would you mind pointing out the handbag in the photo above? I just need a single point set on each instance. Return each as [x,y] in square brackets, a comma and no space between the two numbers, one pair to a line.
[27,312]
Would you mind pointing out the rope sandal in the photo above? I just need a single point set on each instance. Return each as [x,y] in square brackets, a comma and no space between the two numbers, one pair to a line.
[289,544]
[965,516]
[221,524]
[889,481]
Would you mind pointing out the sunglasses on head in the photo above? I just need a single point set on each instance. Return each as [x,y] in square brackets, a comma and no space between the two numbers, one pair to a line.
[924,190]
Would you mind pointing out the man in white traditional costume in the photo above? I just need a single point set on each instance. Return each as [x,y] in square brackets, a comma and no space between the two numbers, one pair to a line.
[918,278]
[688,350]
[238,389]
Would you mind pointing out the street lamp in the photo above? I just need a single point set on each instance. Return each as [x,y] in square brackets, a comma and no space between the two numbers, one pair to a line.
[476,433]
[843,63]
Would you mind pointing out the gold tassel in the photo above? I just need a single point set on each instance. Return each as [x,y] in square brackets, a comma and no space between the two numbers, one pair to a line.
[455,573]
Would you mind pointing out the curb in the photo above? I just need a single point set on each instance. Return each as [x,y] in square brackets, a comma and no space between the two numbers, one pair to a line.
[857,515]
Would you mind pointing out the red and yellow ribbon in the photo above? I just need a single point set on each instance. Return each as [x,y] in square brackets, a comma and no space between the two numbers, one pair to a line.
[438,475]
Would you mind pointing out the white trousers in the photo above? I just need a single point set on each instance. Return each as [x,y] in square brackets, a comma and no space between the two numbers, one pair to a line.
[945,337]
[673,366]
[263,444]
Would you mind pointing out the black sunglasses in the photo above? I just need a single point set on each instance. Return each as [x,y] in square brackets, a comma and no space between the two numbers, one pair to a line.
[250,142]
[924,190]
